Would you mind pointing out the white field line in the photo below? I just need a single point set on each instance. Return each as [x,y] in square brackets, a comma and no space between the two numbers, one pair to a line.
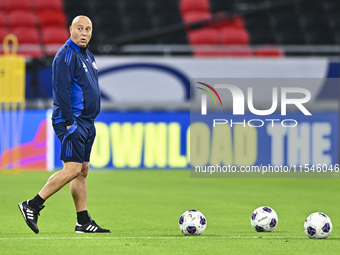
[156,237]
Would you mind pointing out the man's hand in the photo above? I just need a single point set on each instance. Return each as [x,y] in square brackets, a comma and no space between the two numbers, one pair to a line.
[68,127]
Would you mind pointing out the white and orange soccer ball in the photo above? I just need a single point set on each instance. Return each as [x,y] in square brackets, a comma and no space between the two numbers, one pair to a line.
[192,223]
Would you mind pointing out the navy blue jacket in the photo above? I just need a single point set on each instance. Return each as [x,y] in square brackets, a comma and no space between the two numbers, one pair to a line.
[76,94]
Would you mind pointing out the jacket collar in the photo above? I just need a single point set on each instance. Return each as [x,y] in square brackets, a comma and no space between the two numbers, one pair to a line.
[75,46]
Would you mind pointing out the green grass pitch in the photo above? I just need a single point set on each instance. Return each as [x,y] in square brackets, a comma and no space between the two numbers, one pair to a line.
[142,209]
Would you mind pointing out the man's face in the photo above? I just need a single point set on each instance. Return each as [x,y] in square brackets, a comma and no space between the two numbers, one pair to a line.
[81,31]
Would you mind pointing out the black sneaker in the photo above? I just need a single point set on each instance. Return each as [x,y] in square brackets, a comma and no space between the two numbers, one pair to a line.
[90,227]
[30,215]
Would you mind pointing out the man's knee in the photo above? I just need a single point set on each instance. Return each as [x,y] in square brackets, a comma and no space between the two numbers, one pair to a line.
[74,168]
[85,169]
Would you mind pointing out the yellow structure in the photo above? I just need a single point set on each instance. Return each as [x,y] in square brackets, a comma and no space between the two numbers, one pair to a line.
[12,100]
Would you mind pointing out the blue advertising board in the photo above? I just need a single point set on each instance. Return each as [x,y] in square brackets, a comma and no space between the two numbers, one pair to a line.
[162,140]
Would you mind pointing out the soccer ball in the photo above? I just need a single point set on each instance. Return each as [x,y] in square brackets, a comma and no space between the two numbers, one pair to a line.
[192,223]
[318,225]
[264,219]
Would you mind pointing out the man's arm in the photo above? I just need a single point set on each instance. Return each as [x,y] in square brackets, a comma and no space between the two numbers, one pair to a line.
[63,73]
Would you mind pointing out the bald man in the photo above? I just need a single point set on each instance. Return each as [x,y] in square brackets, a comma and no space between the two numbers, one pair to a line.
[76,97]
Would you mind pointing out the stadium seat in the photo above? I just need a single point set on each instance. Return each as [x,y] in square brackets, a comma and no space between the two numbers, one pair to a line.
[96,6]
[221,20]
[196,16]
[136,21]
[54,38]
[312,6]
[14,5]
[106,35]
[43,5]
[218,5]
[331,5]
[26,35]
[285,17]
[106,19]
[238,52]
[313,20]
[268,51]
[234,36]
[3,20]
[52,19]
[165,18]
[106,27]
[260,35]
[194,5]
[156,6]
[257,20]
[3,33]
[204,36]
[29,44]
[289,36]
[334,20]
[128,6]
[205,53]
[21,18]
[319,36]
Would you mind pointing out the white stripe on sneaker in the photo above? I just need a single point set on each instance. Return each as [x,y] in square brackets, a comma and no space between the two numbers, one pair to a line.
[29,217]
[22,211]
[29,211]
[95,229]
[88,227]
[91,229]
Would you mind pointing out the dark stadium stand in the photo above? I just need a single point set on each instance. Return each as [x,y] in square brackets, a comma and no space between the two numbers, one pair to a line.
[217,5]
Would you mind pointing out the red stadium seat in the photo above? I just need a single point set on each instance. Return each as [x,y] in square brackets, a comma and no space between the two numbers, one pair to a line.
[2,5]
[29,44]
[203,36]
[268,51]
[43,5]
[238,51]
[3,33]
[222,21]
[21,19]
[26,35]
[55,35]
[14,5]
[205,53]
[234,36]
[194,5]
[3,21]
[196,16]
[52,19]
[54,38]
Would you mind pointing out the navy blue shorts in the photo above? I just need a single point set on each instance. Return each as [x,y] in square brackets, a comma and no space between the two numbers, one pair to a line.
[76,143]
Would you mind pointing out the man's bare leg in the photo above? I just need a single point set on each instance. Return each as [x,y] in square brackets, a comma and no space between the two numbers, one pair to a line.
[58,180]
[79,190]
